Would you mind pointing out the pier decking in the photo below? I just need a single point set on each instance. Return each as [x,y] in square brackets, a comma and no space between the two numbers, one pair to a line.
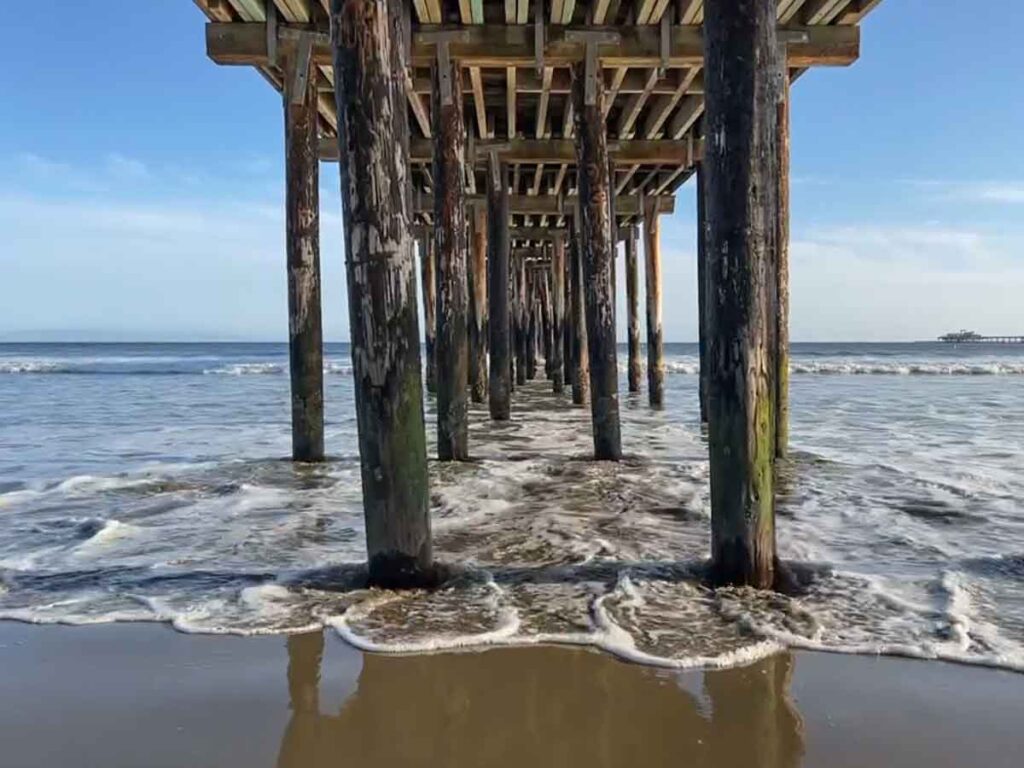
[520,142]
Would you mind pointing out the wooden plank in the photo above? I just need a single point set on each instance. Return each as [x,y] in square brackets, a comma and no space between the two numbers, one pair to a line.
[476,80]
[664,105]
[788,9]
[634,106]
[542,107]
[504,46]
[250,10]
[600,11]
[510,100]
[293,10]
[478,307]
[822,11]
[690,11]
[645,10]
[857,10]
[419,108]
[690,110]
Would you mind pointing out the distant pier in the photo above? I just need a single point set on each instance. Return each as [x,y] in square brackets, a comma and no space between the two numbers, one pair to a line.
[970,337]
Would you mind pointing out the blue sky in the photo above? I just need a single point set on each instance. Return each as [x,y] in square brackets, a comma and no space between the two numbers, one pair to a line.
[141,185]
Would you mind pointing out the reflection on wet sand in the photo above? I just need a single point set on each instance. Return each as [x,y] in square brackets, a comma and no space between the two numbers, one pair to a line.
[542,706]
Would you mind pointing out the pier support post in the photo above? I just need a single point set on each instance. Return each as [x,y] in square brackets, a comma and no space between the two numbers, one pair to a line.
[450,234]
[597,246]
[373,144]
[558,316]
[478,308]
[740,77]
[782,262]
[702,293]
[521,321]
[532,312]
[500,383]
[652,272]
[580,358]
[302,217]
[633,310]
[567,319]
[428,280]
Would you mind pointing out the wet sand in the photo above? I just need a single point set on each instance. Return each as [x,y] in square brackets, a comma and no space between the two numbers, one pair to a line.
[144,695]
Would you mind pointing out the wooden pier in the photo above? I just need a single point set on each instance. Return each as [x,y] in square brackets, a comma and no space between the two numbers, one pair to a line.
[519,142]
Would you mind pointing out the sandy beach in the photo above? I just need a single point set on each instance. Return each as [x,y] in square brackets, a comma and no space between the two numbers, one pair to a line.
[132,695]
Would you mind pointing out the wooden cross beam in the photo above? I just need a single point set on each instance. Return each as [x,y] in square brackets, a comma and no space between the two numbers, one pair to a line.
[500,46]
[548,151]
[555,205]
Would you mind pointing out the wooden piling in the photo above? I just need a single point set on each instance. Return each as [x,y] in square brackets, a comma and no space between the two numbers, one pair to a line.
[598,255]
[635,370]
[369,63]
[782,264]
[478,308]
[450,235]
[500,381]
[740,125]
[521,319]
[558,316]
[655,349]
[580,358]
[532,312]
[428,280]
[302,218]
[702,294]
[567,319]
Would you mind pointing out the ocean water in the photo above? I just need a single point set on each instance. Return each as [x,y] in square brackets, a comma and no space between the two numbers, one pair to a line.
[148,482]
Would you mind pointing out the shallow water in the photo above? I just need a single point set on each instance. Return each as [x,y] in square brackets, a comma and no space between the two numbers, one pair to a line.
[146,482]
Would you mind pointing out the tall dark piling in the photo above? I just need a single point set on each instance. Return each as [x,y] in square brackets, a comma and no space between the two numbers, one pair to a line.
[478,308]
[558,316]
[500,380]
[702,293]
[598,255]
[635,370]
[580,358]
[373,143]
[652,271]
[740,125]
[782,263]
[521,318]
[302,219]
[428,280]
[450,235]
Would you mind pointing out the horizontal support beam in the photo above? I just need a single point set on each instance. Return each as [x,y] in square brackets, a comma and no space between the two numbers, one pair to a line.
[544,151]
[633,81]
[500,46]
[554,205]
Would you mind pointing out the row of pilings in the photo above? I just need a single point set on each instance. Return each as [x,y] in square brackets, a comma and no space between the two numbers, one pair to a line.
[558,301]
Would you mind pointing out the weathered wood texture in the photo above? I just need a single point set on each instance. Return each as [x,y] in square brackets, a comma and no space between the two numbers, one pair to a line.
[567,317]
[450,236]
[741,120]
[655,342]
[369,61]
[302,218]
[428,282]
[702,293]
[558,316]
[782,271]
[520,318]
[500,389]
[478,308]
[580,357]
[635,370]
[532,332]
[598,262]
